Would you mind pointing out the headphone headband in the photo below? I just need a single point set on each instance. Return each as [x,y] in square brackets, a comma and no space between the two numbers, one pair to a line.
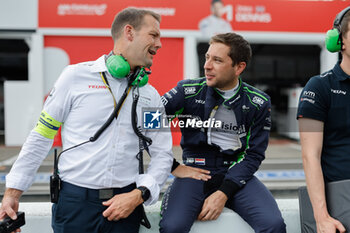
[339,17]
[333,39]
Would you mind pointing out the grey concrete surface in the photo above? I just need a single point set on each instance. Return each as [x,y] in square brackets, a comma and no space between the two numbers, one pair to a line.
[38,218]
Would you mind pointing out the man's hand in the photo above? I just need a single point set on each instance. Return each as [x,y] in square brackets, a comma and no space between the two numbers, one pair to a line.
[213,206]
[328,224]
[122,205]
[10,204]
[183,171]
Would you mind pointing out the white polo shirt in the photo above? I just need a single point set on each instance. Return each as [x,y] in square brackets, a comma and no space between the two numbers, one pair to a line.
[82,103]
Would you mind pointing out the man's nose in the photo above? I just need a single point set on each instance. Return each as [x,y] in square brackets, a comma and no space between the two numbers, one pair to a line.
[207,65]
[158,44]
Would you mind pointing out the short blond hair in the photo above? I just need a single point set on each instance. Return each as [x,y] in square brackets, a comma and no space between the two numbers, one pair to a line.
[132,16]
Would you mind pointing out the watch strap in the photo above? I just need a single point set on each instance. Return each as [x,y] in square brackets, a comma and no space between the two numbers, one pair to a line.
[145,193]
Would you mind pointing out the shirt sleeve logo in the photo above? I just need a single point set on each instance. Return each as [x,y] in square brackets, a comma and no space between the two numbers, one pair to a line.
[174,91]
[164,100]
[309,94]
[258,100]
[308,100]
[189,90]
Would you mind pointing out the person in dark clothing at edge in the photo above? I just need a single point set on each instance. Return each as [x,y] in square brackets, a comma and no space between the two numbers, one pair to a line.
[324,126]
[231,147]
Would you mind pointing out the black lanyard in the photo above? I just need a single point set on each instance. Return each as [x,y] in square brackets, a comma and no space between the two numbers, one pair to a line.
[116,110]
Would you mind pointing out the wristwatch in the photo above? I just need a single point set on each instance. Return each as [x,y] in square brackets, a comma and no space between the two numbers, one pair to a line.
[145,193]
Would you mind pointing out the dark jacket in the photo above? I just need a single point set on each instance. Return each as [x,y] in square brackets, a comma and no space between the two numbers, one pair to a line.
[193,98]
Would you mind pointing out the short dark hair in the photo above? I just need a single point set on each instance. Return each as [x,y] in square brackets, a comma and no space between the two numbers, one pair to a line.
[215,1]
[240,50]
[132,16]
[344,25]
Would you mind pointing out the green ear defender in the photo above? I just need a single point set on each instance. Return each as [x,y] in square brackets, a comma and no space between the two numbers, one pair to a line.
[119,67]
[333,37]
[333,40]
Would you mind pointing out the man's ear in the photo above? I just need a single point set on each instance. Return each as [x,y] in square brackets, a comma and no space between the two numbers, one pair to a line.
[129,32]
[240,67]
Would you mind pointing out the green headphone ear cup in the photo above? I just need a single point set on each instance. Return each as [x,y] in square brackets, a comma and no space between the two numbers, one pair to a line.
[117,66]
[144,78]
[333,42]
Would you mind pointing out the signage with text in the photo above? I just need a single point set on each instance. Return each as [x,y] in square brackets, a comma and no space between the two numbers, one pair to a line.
[243,15]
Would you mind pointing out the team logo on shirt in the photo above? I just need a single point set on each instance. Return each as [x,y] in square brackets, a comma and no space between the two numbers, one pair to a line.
[308,100]
[309,94]
[174,91]
[338,92]
[168,95]
[97,87]
[199,101]
[190,90]
[232,128]
[164,100]
[245,108]
[258,100]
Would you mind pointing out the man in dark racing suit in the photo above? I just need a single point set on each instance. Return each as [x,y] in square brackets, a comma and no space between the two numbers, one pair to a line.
[225,129]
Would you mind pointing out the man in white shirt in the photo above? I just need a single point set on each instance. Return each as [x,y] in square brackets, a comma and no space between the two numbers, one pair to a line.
[214,23]
[102,189]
